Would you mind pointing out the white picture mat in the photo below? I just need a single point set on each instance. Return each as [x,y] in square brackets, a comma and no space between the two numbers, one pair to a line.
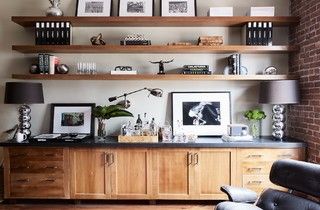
[165,8]
[57,117]
[106,8]
[201,130]
[123,8]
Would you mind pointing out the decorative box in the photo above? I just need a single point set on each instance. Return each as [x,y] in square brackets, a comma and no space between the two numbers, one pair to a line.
[220,11]
[137,139]
[262,11]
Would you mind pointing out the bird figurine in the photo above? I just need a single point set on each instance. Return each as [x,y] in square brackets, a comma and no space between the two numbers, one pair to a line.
[161,66]
[97,40]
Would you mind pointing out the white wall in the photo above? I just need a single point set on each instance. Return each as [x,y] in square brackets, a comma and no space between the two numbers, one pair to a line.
[244,94]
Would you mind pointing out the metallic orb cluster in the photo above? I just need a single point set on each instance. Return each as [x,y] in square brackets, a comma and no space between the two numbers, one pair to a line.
[278,124]
[24,119]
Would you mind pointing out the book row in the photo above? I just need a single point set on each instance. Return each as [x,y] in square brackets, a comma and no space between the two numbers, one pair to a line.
[53,33]
[259,33]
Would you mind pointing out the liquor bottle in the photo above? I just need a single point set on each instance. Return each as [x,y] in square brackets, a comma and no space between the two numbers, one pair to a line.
[153,127]
[139,121]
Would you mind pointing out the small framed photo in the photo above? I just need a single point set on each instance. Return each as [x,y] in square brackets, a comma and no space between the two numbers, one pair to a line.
[72,118]
[201,113]
[94,8]
[178,8]
[136,7]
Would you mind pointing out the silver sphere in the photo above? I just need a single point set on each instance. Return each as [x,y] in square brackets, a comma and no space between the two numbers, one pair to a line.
[27,132]
[278,134]
[278,109]
[24,110]
[278,126]
[25,125]
[62,69]
[24,118]
[278,117]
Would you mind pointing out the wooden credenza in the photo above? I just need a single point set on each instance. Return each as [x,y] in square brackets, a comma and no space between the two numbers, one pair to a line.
[137,173]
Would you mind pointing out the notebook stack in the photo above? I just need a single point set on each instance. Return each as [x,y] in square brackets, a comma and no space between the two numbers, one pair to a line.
[196,69]
[259,33]
[210,40]
[53,33]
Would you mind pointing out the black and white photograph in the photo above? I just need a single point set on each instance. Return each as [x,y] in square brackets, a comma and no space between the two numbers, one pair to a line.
[75,118]
[94,8]
[178,8]
[201,113]
[72,119]
[135,7]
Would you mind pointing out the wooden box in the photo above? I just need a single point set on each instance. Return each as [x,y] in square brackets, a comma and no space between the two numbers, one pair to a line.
[137,139]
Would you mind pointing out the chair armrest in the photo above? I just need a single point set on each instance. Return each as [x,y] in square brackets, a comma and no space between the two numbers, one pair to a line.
[227,205]
[238,194]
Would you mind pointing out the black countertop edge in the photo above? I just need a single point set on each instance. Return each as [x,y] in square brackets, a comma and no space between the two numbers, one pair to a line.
[203,142]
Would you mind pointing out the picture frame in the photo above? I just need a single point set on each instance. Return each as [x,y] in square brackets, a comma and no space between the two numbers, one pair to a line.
[75,118]
[178,8]
[201,113]
[94,8]
[136,8]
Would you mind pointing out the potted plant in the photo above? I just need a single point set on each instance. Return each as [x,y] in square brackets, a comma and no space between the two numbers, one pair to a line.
[104,113]
[255,116]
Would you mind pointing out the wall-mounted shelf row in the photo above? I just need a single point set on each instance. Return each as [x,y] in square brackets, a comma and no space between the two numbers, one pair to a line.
[153,49]
[152,77]
[29,21]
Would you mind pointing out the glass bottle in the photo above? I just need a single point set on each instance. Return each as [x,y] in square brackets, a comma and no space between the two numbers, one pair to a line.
[139,121]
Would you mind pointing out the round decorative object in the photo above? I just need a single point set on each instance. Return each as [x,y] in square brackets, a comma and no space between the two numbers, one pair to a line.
[278,126]
[278,117]
[54,10]
[271,70]
[23,118]
[27,132]
[62,69]
[25,125]
[24,109]
[278,134]
[34,69]
[278,109]
[97,40]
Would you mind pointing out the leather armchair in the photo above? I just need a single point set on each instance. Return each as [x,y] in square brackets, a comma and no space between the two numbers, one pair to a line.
[295,175]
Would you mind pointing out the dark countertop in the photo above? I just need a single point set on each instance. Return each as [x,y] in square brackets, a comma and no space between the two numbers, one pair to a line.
[203,142]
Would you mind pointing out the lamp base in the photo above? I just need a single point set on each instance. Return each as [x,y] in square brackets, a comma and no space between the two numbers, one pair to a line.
[24,120]
[278,124]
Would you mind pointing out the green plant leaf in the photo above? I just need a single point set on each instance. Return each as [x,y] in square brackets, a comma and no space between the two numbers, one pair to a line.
[120,113]
[107,112]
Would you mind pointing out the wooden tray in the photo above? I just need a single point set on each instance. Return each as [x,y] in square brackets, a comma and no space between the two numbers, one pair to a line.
[137,139]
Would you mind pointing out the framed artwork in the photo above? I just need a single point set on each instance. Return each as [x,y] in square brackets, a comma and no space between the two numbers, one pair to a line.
[201,113]
[136,7]
[94,8]
[72,118]
[178,8]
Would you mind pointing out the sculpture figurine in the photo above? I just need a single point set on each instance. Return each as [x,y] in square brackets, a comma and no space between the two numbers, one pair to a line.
[161,66]
[54,10]
[97,40]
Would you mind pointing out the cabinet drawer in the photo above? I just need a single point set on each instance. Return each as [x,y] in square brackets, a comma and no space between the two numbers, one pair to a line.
[268,154]
[259,167]
[39,154]
[29,166]
[257,183]
[37,185]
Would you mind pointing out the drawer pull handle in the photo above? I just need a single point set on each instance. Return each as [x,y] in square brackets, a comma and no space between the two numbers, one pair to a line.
[254,169]
[189,158]
[23,180]
[50,180]
[196,158]
[254,182]
[254,156]
[285,156]
[51,167]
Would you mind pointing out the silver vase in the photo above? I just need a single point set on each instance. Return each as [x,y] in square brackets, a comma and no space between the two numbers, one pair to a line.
[54,10]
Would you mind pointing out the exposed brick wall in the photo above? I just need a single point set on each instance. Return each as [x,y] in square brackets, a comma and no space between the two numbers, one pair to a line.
[304,119]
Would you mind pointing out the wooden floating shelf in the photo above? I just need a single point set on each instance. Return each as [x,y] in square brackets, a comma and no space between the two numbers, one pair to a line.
[152,77]
[153,49]
[29,21]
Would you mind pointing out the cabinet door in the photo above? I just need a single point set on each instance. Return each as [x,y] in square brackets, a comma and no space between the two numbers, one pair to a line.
[89,177]
[173,175]
[214,168]
[130,173]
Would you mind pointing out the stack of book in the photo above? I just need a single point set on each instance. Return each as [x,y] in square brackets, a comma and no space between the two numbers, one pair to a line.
[210,40]
[196,69]
[234,63]
[259,33]
[53,33]
[47,63]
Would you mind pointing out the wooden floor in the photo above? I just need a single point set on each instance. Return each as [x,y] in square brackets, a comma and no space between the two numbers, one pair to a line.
[103,207]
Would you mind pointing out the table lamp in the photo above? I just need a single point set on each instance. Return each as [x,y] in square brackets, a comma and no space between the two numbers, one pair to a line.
[157,92]
[24,93]
[279,93]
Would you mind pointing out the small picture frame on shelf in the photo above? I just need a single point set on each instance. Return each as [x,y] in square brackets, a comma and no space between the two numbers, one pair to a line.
[72,118]
[142,8]
[94,8]
[201,113]
[176,8]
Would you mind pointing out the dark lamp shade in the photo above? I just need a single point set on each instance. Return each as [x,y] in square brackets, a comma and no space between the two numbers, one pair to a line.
[23,93]
[279,92]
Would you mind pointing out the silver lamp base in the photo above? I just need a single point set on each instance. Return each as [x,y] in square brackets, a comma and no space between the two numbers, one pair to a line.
[278,124]
[24,120]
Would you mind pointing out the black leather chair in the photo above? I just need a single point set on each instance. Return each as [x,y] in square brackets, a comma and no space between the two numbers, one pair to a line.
[298,176]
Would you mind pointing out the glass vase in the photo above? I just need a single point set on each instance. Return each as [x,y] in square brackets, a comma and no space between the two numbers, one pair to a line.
[102,132]
[254,128]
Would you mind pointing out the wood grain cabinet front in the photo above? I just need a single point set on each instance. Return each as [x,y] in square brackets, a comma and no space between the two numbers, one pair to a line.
[36,172]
